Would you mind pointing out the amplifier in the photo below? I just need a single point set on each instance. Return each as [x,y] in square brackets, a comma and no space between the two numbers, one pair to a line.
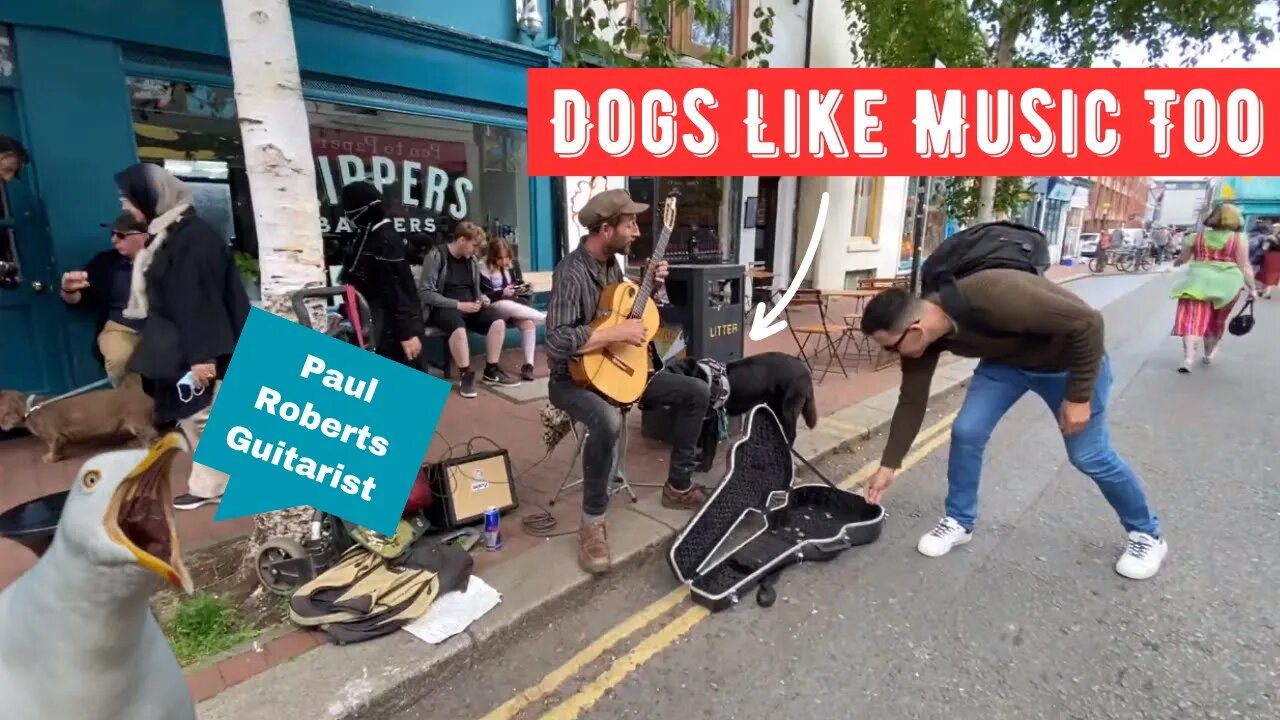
[463,488]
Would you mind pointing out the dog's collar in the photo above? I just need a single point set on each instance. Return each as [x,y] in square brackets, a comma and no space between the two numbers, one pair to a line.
[33,406]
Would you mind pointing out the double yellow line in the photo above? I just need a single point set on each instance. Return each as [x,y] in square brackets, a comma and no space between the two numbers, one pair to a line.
[590,693]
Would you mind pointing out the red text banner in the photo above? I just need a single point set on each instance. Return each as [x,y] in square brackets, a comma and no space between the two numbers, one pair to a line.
[939,122]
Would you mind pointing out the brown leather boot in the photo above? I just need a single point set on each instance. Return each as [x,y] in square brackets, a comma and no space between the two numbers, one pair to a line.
[593,548]
[691,498]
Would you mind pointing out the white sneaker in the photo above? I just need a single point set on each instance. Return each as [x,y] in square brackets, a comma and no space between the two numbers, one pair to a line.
[1142,557]
[945,535]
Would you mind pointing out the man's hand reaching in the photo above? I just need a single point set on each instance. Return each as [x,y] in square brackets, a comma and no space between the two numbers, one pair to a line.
[879,483]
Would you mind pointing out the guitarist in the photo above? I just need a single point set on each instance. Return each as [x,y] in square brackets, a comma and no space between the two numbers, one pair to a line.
[579,278]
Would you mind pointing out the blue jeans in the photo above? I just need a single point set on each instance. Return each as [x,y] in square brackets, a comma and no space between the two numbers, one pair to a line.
[994,389]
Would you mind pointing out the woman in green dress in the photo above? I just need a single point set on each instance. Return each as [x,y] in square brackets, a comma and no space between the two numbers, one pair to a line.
[1219,270]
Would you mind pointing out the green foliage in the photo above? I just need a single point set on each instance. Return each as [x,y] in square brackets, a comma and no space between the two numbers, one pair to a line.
[986,33]
[912,33]
[205,626]
[1075,33]
[886,33]
[247,265]
[962,197]
[591,39]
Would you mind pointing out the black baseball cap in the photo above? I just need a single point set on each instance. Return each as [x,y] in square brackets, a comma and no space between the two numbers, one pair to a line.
[126,223]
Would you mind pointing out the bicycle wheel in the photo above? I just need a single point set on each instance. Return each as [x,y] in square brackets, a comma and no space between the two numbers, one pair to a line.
[1098,262]
[1145,262]
[1126,262]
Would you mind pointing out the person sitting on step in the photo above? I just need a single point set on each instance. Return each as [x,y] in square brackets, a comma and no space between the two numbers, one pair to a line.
[504,285]
[454,302]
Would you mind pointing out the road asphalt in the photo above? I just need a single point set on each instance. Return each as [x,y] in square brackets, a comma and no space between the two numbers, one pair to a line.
[1028,620]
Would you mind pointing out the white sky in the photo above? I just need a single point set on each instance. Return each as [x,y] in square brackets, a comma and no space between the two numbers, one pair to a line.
[1224,54]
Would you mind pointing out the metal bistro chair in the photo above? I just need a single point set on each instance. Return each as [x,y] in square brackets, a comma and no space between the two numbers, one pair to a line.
[813,298]
[618,472]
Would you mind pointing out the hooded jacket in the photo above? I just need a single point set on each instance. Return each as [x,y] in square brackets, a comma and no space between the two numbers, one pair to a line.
[377,266]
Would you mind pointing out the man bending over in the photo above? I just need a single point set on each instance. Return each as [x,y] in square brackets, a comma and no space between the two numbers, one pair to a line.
[1037,337]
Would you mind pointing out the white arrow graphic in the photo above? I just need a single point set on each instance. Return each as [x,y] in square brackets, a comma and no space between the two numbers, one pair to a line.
[763,325]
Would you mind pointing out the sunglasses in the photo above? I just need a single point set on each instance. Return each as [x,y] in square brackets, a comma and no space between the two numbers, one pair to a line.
[123,235]
[894,347]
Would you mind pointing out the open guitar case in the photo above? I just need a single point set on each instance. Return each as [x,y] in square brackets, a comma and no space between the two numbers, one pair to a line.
[758,522]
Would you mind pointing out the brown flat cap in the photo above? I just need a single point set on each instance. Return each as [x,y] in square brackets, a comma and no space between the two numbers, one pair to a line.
[609,204]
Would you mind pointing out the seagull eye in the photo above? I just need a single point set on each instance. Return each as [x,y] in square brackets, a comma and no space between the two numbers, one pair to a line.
[90,479]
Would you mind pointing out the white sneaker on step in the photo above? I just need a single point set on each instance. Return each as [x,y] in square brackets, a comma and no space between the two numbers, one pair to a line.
[945,535]
[1142,556]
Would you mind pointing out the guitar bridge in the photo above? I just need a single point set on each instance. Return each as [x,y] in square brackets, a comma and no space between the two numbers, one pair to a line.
[617,362]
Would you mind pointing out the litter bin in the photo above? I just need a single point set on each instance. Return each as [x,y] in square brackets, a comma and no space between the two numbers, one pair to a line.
[703,315]
[703,318]
[32,524]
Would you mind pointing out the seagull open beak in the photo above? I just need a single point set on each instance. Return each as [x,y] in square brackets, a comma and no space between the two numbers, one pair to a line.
[140,517]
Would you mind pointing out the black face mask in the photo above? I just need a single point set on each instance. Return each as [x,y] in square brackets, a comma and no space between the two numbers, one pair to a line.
[355,214]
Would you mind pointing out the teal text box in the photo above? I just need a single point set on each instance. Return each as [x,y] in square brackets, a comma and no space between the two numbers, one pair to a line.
[304,419]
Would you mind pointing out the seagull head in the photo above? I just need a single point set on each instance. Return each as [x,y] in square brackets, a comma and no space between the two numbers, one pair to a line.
[119,512]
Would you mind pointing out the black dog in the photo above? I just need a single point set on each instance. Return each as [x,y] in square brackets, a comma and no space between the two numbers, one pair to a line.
[781,381]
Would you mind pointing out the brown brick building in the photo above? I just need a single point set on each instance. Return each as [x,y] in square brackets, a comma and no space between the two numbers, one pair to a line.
[1116,202]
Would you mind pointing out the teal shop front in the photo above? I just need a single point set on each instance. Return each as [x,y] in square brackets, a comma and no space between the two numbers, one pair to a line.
[1257,197]
[431,108]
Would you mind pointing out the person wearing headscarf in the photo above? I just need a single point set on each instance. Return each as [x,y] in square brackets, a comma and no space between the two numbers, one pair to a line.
[1219,271]
[376,265]
[188,294]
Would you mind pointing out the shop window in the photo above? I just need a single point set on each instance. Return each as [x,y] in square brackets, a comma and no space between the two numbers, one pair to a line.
[935,221]
[853,277]
[866,209]
[433,173]
[700,219]
[696,39]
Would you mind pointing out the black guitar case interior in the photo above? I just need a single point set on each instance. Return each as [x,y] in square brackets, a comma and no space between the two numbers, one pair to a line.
[774,523]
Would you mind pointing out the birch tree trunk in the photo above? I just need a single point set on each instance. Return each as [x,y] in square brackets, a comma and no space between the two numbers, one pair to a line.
[282,184]
[1006,43]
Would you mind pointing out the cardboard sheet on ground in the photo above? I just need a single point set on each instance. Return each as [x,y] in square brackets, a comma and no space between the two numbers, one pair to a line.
[454,612]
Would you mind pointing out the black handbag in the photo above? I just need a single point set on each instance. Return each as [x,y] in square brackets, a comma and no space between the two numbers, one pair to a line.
[1243,322]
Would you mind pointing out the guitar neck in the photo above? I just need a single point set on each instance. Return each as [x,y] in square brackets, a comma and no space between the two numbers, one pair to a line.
[646,285]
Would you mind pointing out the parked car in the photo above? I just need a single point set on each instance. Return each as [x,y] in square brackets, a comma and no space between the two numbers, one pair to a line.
[1088,244]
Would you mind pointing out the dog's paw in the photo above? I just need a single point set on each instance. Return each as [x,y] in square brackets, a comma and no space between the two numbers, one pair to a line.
[52,457]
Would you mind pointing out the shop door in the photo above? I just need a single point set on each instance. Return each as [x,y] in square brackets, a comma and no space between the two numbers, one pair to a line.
[29,358]
[766,221]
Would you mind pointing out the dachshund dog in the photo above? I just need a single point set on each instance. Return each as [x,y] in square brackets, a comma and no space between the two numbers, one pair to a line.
[96,415]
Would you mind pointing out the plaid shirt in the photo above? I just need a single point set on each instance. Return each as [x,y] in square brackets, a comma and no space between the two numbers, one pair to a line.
[576,284]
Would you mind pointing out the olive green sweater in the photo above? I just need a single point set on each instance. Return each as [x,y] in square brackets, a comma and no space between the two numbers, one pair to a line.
[1051,330]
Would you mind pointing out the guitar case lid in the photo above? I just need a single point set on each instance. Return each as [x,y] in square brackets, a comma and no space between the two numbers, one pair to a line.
[793,522]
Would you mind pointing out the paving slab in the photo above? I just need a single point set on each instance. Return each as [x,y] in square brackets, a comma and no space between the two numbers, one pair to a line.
[527,391]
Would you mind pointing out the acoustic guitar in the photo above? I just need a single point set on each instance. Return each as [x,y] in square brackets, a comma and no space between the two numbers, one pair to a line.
[620,371]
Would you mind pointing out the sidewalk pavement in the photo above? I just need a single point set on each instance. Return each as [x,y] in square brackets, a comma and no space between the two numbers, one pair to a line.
[312,678]
[850,408]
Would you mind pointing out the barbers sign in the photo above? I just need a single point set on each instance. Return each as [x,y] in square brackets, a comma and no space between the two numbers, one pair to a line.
[416,176]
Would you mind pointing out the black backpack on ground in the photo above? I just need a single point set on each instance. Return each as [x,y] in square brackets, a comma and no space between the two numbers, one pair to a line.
[982,247]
